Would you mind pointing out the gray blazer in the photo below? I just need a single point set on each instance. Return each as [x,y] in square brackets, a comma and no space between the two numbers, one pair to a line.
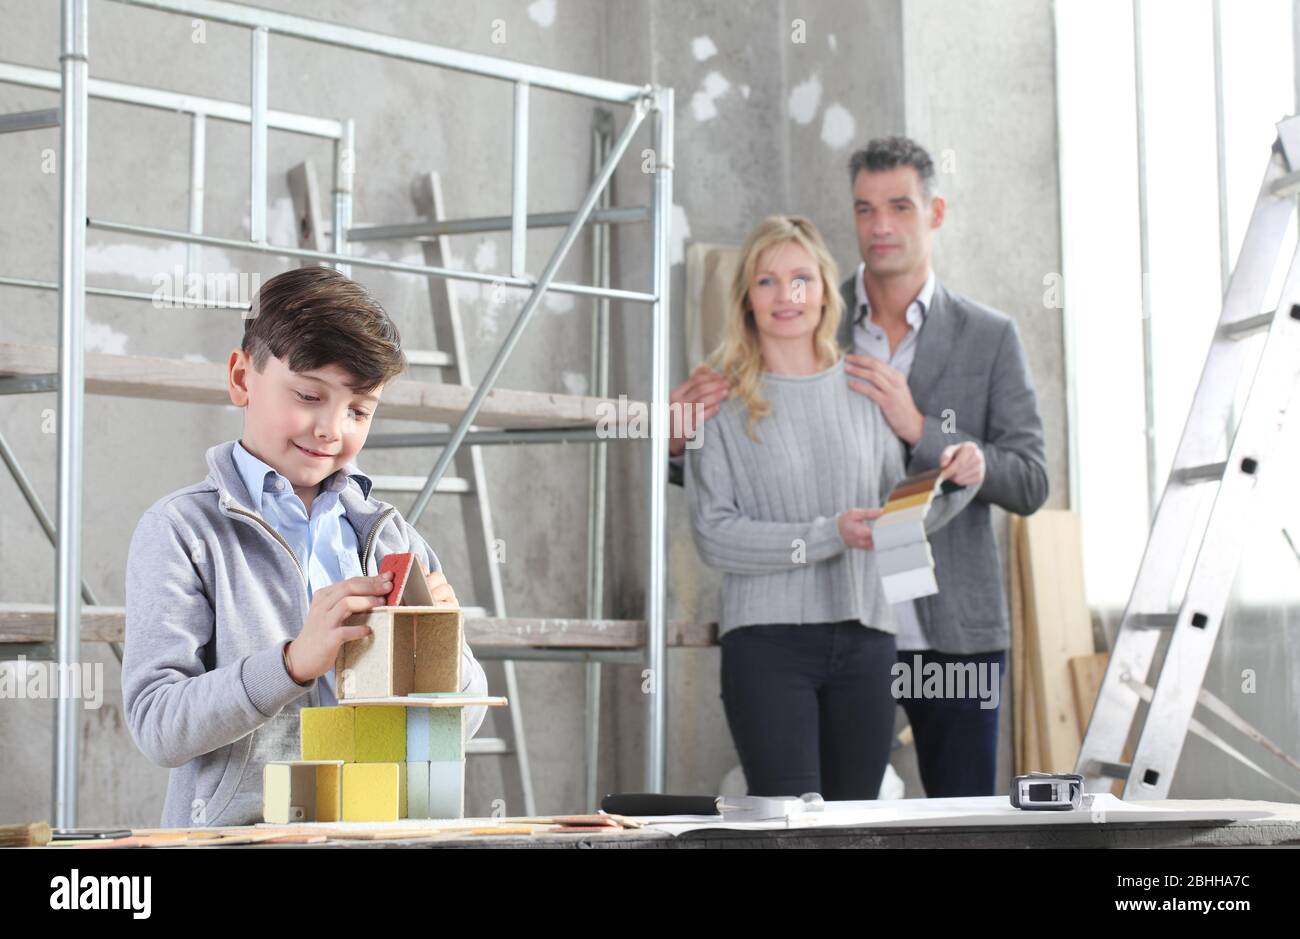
[970,367]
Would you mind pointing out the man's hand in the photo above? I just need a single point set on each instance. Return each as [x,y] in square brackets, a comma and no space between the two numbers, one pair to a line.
[704,390]
[313,653]
[887,386]
[443,595]
[854,530]
[963,463]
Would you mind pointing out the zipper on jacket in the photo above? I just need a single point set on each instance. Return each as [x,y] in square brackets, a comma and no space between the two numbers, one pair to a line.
[314,694]
[370,538]
[276,535]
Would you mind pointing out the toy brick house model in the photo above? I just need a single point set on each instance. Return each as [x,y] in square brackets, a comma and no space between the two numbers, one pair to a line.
[394,746]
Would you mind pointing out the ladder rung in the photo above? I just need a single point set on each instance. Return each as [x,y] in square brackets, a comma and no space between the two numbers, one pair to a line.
[429,357]
[1208,472]
[29,120]
[481,746]
[448,484]
[1109,770]
[613,215]
[1248,326]
[1288,185]
[1152,620]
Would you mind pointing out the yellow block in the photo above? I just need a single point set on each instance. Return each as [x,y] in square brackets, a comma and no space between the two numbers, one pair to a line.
[329,793]
[374,792]
[328,734]
[380,734]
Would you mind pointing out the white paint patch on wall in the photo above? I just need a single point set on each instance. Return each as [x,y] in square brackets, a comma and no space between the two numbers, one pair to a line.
[702,48]
[805,97]
[485,255]
[575,383]
[714,86]
[100,337]
[838,127]
[542,12]
[138,261]
[558,302]
[830,41]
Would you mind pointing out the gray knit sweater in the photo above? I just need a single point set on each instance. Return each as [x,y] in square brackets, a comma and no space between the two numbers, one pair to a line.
[765,512]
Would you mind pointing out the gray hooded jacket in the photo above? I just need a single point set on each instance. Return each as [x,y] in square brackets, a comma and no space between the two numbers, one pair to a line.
[212,594]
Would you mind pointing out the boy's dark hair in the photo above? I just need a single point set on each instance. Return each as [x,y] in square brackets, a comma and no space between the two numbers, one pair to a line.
[887,153]
[311,317]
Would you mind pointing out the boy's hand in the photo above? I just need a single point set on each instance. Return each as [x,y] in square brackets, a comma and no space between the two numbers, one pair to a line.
[442,593]
[313,653]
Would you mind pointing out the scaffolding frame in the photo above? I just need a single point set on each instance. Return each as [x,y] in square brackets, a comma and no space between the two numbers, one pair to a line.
[75,87]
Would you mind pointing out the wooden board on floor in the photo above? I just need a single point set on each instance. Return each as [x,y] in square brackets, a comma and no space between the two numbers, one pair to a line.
[1086,673]
[1060,627]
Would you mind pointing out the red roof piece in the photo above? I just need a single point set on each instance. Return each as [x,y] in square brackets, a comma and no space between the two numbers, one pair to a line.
[401,565]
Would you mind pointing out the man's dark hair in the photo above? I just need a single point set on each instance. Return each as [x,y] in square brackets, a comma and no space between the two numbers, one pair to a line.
[311,317]
[887,153]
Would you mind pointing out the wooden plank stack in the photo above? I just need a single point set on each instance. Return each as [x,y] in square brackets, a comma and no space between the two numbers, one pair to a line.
[1054,669]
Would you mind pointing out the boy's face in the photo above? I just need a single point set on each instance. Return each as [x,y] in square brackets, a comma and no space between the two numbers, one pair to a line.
[304,424]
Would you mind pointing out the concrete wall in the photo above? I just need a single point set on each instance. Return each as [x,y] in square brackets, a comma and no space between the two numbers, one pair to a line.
[771,97]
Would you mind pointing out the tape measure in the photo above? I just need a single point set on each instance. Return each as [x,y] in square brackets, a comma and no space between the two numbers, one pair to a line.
[1047,792]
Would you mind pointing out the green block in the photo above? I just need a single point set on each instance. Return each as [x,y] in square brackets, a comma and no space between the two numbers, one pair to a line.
[417,790]
[380,734]
[328,734]
[436,734]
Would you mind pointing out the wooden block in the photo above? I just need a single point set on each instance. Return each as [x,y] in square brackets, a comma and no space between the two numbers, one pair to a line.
[1061,629]
[380,665]
[301,791]
[380,735]
[436,733]
[374,792]
[327,734]
[447,789]
[410,649]
[417,789]
[439,636]
[1086,674]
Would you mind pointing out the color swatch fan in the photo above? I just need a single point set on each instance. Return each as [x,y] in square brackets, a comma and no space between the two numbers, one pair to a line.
[902,550]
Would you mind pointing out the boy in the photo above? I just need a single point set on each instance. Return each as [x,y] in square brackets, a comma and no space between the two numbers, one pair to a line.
[237,587]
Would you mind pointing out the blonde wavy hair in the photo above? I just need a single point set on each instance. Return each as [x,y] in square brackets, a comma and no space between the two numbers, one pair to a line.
[739,358]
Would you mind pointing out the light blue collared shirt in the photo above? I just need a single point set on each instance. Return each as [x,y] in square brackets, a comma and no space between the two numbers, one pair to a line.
[324,543]
[870,339]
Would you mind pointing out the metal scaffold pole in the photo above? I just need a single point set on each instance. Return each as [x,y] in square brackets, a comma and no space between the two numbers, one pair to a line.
[72,310]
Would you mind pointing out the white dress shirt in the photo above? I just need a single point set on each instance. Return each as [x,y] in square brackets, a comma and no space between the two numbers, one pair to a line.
[870,339]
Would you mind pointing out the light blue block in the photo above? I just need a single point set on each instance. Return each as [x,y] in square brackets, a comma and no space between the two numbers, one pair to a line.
[447,789]
[417,735]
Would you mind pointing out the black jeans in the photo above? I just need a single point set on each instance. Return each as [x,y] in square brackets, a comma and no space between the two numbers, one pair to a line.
[957,736]
[809,707]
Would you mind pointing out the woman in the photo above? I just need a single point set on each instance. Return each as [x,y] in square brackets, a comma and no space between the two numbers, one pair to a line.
[782,487]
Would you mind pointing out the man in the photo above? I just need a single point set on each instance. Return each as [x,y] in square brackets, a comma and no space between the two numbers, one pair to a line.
[943,369]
